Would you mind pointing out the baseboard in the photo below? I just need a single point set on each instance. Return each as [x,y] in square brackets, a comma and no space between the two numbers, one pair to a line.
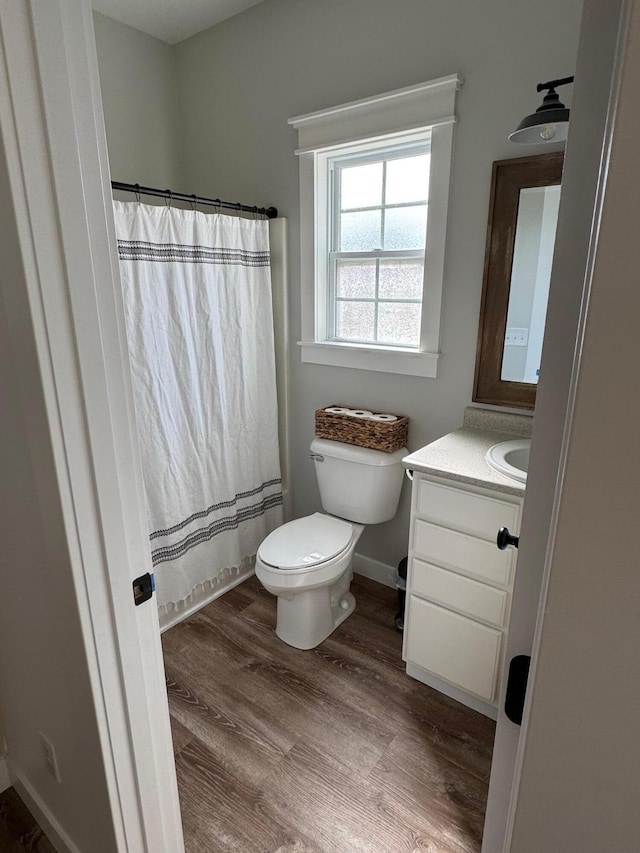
[374,570]
[41,813]
[5,779]
[179,616]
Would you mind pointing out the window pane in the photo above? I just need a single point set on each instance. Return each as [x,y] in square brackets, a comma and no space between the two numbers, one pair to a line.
[407,179]
[355,320]
[356,278]
[401,279]
[361,186]
[360,232]
[399,323]
[405,227]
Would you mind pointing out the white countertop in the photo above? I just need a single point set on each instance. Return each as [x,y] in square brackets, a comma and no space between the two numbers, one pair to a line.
[460,456]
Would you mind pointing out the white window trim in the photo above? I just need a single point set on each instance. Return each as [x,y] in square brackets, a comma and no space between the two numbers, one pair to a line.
[402,115]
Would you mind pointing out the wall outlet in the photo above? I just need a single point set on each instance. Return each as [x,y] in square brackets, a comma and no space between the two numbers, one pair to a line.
[49,755]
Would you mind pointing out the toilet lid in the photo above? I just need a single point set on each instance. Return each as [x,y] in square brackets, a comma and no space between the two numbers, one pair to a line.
[306,542]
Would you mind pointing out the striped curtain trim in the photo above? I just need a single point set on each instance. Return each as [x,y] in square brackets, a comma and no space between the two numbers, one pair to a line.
[140,250]
[205,534]
[203,513]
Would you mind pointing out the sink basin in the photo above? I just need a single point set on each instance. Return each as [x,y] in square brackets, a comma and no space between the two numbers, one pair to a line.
[510,458]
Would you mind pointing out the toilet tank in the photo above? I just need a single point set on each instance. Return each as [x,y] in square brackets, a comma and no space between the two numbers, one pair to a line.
[356,483]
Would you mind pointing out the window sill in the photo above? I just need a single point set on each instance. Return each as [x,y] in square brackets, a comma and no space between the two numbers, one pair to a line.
[364,357]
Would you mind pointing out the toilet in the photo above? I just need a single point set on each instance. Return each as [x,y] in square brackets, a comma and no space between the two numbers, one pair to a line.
[306,563]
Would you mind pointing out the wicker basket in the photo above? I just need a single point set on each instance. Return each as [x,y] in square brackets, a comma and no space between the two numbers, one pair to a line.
[365,432]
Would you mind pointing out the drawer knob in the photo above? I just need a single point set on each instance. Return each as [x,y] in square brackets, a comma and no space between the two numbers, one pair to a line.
[504,538]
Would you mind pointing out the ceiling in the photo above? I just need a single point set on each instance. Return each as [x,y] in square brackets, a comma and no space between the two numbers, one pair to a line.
[172,20]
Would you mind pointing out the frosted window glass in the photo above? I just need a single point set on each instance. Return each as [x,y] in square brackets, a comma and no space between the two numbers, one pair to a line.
[360,232]
[361,186]
[356,278]
[355,320]
[401,280]
[399,323]
[405,227]
[407,179]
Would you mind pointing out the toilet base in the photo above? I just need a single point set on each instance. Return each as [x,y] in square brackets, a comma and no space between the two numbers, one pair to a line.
[307,618]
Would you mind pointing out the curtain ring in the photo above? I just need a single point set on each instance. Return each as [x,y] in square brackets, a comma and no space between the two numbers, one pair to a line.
[137,192]
[194,202]
[169,198]
[239,208]
[218,205]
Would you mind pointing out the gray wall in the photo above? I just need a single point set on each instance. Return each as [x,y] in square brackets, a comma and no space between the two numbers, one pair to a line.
[241,80]
[140,102]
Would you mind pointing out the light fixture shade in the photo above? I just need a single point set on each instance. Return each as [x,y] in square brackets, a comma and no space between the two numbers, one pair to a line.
[549,126]
[549,123]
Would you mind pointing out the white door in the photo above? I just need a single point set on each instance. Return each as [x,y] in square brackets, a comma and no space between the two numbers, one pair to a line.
[583,182]
[579,775]
[63,294]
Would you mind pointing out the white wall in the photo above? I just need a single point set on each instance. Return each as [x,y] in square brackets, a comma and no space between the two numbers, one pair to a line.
[140,102]
[241,80]
[524,275]
[541,290]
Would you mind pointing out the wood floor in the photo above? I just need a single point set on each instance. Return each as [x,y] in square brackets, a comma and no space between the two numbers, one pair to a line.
[333,750]
[19,832]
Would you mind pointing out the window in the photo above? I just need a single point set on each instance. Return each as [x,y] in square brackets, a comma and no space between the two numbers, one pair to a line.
[372,260]
[378,226]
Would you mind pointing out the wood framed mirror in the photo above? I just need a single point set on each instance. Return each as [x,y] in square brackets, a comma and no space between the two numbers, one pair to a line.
[523,212]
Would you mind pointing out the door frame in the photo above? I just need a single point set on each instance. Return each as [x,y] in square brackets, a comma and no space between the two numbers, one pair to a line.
[59,188]
[600,52]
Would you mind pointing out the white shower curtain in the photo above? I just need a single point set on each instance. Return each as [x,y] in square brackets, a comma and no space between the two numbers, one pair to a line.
[197,295]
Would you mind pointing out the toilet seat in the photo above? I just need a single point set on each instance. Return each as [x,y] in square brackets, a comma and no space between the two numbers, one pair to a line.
[306,542]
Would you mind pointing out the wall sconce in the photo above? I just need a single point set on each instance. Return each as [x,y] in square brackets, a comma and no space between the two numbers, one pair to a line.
[550,122]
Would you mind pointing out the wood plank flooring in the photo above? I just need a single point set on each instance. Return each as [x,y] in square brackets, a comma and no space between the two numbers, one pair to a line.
[333,750]
[19,832]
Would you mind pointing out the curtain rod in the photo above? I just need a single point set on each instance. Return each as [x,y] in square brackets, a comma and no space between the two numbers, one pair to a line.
[269,212]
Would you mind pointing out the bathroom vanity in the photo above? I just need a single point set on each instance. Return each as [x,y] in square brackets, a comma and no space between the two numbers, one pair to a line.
[459,583]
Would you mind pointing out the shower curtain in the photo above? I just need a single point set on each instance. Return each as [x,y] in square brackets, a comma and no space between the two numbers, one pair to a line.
[197,294]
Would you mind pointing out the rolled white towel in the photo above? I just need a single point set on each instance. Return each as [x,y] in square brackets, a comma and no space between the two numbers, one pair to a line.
[361,413]
[338,410]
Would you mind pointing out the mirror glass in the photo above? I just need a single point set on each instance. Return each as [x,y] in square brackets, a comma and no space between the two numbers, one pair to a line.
[529,287]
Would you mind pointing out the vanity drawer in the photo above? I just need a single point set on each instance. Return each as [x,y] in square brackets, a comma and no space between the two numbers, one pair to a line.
[459,593]
[477,515]
[455,648]
[457,551]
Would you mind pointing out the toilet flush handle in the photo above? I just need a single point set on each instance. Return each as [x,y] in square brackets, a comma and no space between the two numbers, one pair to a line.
[317,457]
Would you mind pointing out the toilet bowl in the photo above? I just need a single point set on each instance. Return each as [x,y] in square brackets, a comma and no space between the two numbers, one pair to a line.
[306,563]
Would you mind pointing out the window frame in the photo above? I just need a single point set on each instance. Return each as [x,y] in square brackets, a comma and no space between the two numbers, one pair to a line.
[394,118]
[338,162]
